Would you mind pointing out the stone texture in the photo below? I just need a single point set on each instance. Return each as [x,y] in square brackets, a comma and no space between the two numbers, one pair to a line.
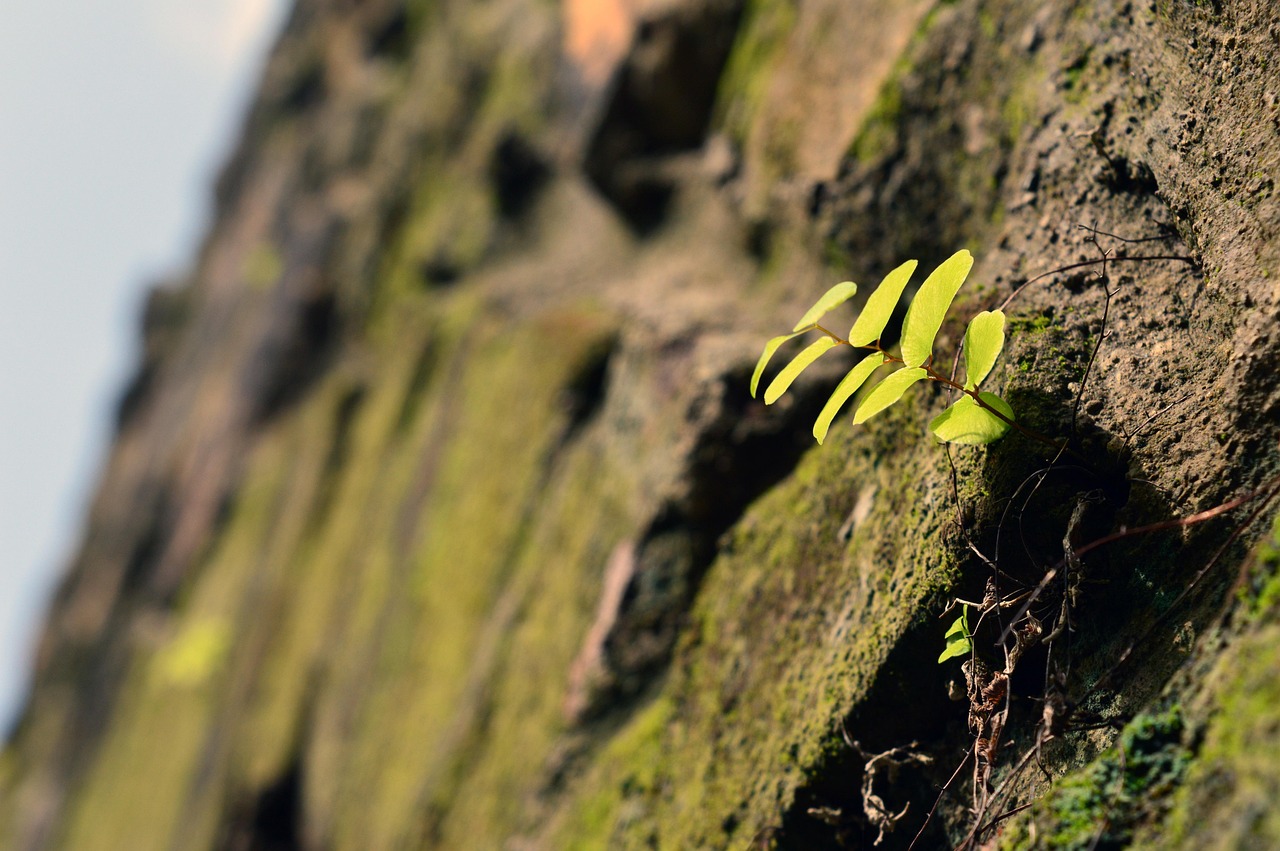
[439,515]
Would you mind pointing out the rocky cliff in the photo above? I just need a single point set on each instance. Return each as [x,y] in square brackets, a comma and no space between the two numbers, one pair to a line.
[439,515]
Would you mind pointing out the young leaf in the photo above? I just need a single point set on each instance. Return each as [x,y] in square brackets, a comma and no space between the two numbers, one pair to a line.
[846,388]
[886,393]
[929,307]
[966,422]
[880,304]
[982,345]
[769,348]
[783,380]
[959,639]
[833,298]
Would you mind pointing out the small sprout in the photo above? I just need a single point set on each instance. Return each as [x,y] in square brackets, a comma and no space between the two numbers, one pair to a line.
[978,417]
[959,639]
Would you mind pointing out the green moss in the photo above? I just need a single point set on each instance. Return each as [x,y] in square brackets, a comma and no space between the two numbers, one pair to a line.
[147,785]
[1103,804]
[439,618]
[1026,326]
[449,229]
[761,36]
[989,24]
[263,266]
[1018,110]
[137,792]
[626,777]
[1229,797]
[1039,345]
[1260,596]
[1076,77]
[195,655]
[879,132]
[398,560]
[765,670]
[556,584]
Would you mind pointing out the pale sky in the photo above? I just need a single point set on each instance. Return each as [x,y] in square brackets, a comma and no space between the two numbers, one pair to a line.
[114,119]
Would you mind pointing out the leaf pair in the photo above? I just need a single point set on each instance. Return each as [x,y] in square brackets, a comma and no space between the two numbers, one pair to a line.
[959,639]
[967,421]
[832,299]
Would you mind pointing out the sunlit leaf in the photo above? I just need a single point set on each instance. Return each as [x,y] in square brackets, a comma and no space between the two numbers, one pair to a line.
[967,422]
[880,304]
[833,298]
[959,639]
[846,388]
[929,307]
[769,348]
[783,380]
[887,392]
[982,345]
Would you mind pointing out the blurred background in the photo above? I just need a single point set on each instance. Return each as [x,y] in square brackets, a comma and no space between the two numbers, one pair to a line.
[114,119]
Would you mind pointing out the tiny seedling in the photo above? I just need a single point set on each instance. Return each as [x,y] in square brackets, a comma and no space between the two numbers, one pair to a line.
[977,417]
[959,638]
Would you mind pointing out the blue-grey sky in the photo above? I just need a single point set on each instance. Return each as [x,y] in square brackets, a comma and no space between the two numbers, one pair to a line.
[114,118]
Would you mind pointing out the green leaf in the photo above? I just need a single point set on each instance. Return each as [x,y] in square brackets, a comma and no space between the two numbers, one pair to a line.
[983,343]
[880,304]
[966,422]
[783,380]
[846,388]
[959,639]
[961,626]
[887,392]
[929,307]
[833,298]
[769,348]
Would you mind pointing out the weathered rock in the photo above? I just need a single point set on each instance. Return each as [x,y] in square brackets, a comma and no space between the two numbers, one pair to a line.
[439,514]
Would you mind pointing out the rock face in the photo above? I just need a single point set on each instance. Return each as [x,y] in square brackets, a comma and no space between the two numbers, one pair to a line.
[439,515]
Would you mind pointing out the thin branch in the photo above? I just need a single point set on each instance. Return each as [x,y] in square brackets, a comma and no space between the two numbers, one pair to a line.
[1102,332]
[1147,257]
[1178,522]
[1159,238]
[977,831]
[941,793]
[1272,490]
[1149,420]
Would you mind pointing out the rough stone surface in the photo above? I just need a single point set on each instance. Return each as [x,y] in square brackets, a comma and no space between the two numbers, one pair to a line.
[439,514]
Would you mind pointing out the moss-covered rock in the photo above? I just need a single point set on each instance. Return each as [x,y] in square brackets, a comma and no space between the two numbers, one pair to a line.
[441,517]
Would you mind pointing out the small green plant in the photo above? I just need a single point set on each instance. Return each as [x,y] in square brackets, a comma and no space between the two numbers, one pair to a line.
[959,638]
[977,417]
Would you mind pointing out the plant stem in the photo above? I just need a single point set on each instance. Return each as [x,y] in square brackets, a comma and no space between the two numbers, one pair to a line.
[973,394]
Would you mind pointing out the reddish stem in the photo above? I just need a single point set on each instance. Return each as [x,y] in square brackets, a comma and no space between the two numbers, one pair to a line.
[954,385]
